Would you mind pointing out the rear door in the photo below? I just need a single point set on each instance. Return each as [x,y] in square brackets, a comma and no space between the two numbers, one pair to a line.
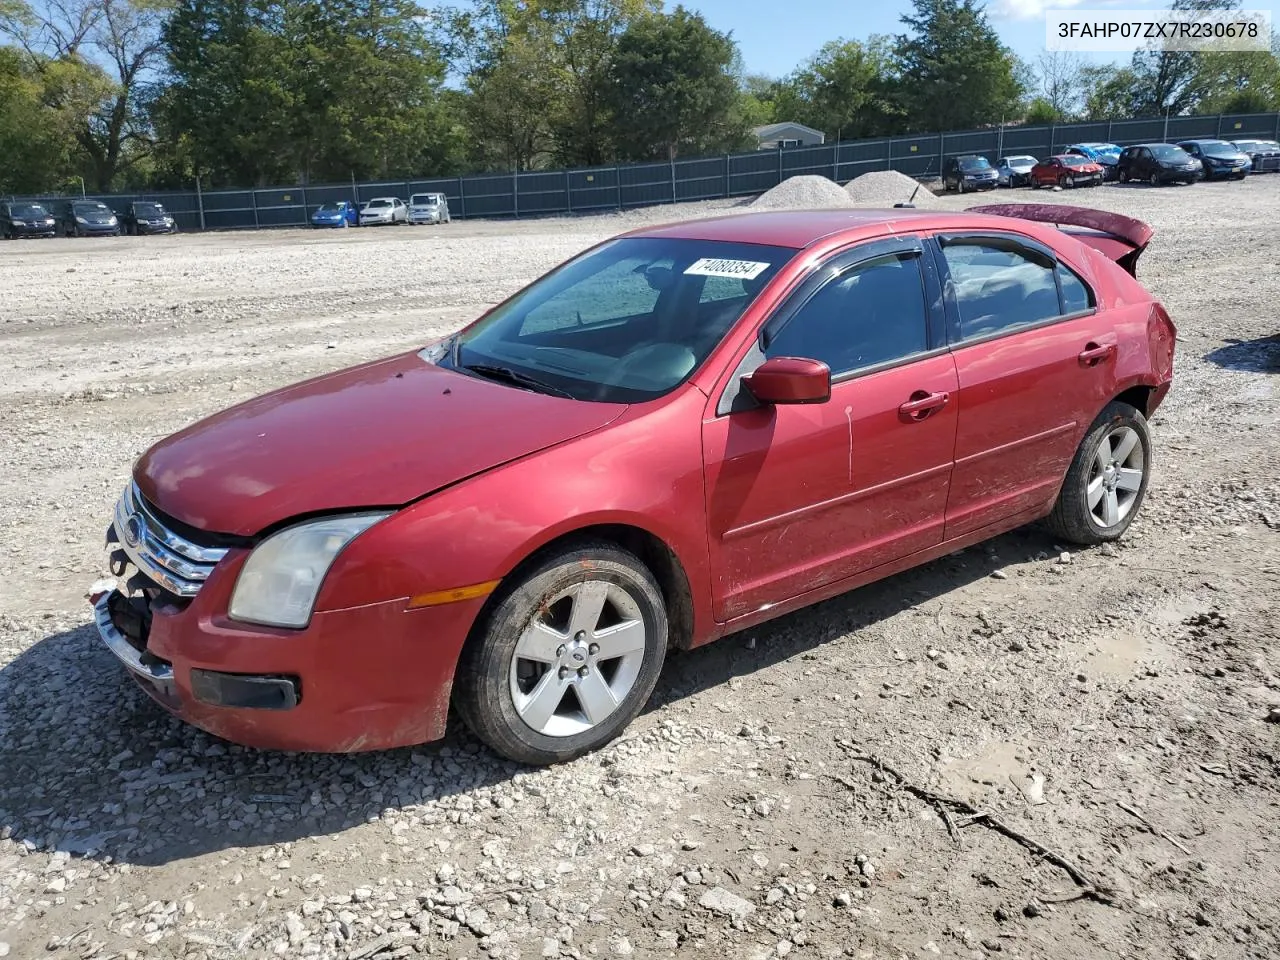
[801,496]
[1035,360]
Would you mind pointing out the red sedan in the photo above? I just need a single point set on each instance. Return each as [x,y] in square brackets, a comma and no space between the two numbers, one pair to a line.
[1067,170]
[679,433]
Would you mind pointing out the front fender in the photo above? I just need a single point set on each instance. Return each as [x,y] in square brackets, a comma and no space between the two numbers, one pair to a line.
[643,471]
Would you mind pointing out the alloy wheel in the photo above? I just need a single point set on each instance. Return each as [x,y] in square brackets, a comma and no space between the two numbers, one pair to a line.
[1115,477]
[577,659]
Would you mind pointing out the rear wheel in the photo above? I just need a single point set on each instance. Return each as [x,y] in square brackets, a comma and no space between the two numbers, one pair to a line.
[566,657]
[1107,480]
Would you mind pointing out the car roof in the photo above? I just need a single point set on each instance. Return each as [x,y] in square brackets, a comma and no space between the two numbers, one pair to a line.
[804,228]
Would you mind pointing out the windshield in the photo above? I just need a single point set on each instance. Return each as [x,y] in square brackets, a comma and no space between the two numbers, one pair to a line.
[330,208]
[30,211]
[1166,152]
[1019,161]
[374,204]
[91,207]
[1218,148]
[624,323]
[1073,161]
[974,163]
[424,200]
[148,209]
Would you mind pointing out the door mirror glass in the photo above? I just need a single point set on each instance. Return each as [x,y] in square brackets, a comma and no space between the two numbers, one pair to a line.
[790,380]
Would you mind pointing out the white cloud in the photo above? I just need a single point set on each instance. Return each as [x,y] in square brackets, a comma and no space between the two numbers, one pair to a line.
[1035,9]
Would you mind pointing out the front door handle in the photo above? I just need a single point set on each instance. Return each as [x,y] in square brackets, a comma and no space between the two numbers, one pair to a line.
[1094,353]
[921,404]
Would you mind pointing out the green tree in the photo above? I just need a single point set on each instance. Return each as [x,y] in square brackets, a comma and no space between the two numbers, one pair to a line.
[1171,81]
[673,89]
[847,90]
[955,71]
[37,145]
[119,40]
[262,91]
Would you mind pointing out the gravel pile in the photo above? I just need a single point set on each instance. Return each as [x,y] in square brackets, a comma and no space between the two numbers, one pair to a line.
[884,188]
[807,193]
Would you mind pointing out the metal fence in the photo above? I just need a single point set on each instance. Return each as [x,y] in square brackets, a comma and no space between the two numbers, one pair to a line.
[621,186]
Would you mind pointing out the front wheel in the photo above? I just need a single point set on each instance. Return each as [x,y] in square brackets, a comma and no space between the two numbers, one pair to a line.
[1065,182]
[566,657]
[1154,180]
[1107,480]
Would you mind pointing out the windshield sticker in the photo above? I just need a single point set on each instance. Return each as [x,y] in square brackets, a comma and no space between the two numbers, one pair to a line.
[714,267]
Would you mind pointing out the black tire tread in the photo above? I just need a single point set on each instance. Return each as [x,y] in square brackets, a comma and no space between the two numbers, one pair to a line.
[1070,517]
[484,656]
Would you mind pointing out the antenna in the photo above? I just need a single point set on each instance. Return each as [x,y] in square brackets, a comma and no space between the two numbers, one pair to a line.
[909,204]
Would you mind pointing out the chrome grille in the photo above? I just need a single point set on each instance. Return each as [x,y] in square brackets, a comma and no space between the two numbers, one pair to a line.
[170,560]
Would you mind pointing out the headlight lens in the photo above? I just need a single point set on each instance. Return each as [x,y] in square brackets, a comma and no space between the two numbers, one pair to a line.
[281,579]
[81,220]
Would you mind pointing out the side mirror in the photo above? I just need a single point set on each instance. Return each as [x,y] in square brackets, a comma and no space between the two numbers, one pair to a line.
[790,380]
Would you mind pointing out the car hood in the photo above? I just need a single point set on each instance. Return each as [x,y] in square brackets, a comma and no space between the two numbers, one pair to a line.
[380,434]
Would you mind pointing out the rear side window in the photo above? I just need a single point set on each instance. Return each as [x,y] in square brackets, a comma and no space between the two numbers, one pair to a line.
[1076,295]
[871,314]
[999,289]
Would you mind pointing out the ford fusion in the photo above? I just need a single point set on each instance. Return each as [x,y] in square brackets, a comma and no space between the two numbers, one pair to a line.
[680,433]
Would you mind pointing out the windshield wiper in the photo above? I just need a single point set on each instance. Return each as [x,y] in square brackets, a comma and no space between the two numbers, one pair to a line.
[516,378]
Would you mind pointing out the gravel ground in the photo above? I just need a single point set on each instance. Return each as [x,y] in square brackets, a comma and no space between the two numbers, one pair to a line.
[1109,705]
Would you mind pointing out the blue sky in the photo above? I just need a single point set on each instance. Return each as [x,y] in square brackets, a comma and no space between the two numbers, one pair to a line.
[777,35]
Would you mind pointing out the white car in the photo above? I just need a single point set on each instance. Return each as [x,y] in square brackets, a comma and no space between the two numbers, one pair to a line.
[429,208]
[384,210]
[1015,171]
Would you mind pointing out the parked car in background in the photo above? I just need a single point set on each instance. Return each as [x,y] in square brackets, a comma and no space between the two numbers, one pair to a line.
[429,208]
[969,172]
[1106,155]
[1264,155]
[1015,171]
[1158,163]
[342,213]
[20,219]
[678,434]
[87,218]
[384,211]
[1219,159]
[145,216]
[1066,170]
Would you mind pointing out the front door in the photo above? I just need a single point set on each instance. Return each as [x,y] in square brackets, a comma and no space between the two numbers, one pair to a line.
[799,497]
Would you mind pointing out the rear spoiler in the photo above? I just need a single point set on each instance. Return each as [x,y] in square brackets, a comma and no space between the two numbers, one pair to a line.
[1121,238]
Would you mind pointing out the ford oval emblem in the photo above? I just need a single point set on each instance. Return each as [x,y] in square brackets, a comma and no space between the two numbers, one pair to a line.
[132,531]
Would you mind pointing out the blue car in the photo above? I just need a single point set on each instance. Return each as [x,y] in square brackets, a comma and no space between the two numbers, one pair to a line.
[340,214]
[1106,155]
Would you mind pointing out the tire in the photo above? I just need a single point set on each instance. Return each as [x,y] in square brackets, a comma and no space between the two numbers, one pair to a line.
[1065,182]
[1154,180]
[1119,434]
[1123,176]
[495,690]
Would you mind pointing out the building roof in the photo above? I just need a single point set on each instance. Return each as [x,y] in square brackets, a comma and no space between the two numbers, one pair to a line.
[768,131]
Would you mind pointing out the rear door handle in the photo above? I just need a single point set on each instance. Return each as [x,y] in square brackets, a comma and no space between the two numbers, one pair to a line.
[1094,353]
[921,404]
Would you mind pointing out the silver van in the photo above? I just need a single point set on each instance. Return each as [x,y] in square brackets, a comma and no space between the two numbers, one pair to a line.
[429,208]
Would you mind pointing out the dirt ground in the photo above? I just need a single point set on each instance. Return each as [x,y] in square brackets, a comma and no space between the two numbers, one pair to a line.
[1111,705]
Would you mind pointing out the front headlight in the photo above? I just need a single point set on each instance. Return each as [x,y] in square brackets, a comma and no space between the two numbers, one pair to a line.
[81,220]
[112,222]
[280,581]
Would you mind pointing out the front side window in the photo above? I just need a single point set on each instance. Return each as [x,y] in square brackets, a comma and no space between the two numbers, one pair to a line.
[997,288]
[624,323]
[871,314]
